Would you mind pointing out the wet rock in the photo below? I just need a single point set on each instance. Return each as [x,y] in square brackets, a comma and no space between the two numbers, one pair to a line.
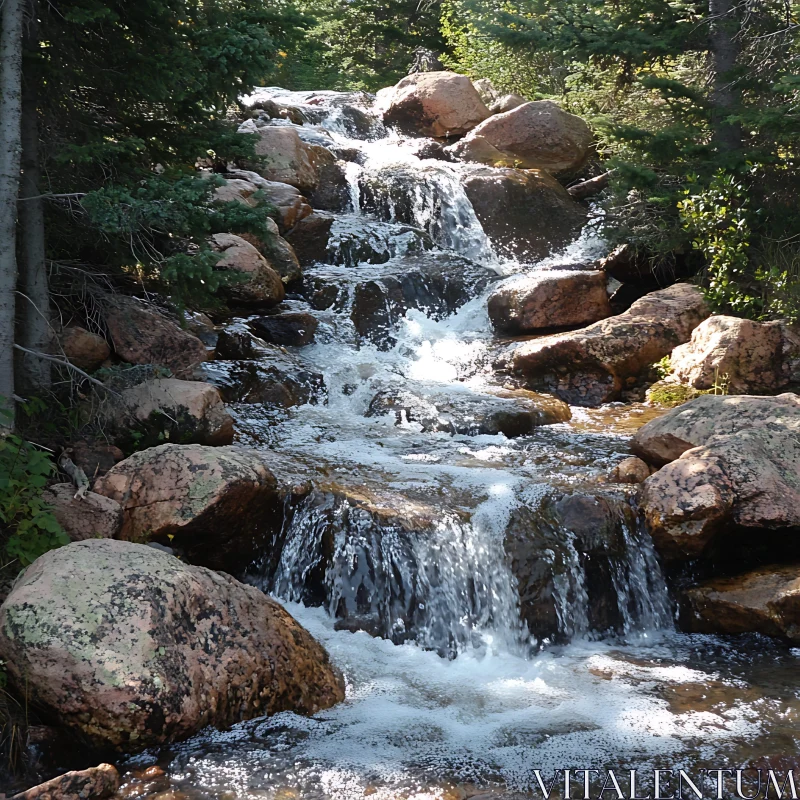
[691,425]
[592,365]
[85,350]
[538,135]
[285,158]
[748,480]
[158,650]
[437,283]
[141,334]
[310,237]
[257,283]
[332,192]
[288,202]
[95,783]
[357,240]
[765,601]
[89,517]
[568,546]
[275,379]
[211,502]
[527,214]
[237,343]
[549,299]
[187,412]
[507,412]
[744,355]
[637,269]
[630,470]
[291,330]
[201,326]
[434,104]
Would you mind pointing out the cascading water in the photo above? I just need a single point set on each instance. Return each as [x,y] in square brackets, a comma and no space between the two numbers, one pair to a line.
[492,601]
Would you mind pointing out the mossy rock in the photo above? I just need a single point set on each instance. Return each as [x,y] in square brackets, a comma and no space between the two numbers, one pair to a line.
[669,394]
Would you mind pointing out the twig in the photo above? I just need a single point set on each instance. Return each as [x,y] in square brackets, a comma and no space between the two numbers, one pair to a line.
[66,364]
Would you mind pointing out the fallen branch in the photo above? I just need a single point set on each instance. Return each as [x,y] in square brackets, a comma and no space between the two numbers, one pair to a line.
[591,187]
[64,363]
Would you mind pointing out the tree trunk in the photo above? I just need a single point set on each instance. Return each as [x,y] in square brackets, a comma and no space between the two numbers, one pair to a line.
[34,331]
[11,17]
[724,28]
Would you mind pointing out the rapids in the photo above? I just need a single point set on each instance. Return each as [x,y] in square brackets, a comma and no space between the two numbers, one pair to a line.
[458,692]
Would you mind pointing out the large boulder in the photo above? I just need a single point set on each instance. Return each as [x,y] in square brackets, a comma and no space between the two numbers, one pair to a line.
[692,424]
[744,355]
[744,476]
[764,601]
[285,157]
[89,516]
[214,503]
[495,101]
[279,254]
[526,213]
[512,413]
[156,649]
[593,365]
[141,334]
[549,299]
[289,204]
[434,104]
[188,412]
[256,282]
[538,135]
[84,349]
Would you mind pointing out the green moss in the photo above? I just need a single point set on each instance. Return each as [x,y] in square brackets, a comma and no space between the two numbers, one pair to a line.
[670,395]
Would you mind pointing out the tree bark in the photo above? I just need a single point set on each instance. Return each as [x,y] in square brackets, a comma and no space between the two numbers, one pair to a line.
[11,19]
[34,331]
[725,48]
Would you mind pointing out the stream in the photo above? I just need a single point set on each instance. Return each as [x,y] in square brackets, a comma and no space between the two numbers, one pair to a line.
[483,633]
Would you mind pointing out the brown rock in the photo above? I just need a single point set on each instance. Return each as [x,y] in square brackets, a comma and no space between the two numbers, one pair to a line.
[158,649]
[742,354]
[538,135]
[85,350]
[263,285]
[278,252]
[143,335]
[95,783]
[286,158]
[191,411]
[496,102]
[630,470]
[526,213]
[764,601]
[90,517]
[213,502]
[592,365]
[237,190]
[550,299]
[692,424]
[746,480]
[435,104]
[287,200]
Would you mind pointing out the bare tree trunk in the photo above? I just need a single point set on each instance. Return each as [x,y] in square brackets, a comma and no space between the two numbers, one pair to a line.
[34,329]
[725,49]
[11,17]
